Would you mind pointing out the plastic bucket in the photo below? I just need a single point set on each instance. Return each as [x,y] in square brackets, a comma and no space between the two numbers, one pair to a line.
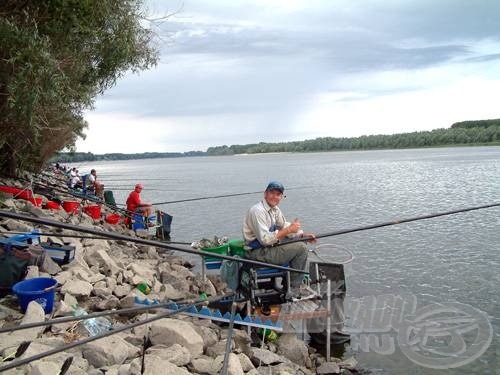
[52,205]
[93,211]
[10,190]
[237,247]
[222,250]
[24,194]
[39,289]
[36,201]
[71,206]
[113,218]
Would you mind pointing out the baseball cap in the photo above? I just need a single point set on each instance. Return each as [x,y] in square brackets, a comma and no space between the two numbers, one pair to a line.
[139,186]
[275,185]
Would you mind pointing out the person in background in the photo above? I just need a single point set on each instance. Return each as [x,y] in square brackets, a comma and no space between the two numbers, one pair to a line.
[74,179]
[266,230]
[95,185]
[134,203]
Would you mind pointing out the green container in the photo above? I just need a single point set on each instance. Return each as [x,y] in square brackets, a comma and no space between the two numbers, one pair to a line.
[237,247]
[222,250]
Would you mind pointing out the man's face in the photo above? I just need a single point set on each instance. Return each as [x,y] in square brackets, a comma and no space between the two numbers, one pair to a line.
[273,197]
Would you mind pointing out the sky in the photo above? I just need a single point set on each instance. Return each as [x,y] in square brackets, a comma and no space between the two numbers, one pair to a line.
[238,72]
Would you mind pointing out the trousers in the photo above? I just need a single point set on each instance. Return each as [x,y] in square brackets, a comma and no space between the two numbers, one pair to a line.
[295,254]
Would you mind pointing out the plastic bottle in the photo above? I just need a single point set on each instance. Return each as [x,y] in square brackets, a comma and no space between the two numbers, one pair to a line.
[270,335]
[144,288]
[94,326]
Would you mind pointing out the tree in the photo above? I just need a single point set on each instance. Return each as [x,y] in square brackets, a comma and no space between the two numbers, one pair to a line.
[56,57]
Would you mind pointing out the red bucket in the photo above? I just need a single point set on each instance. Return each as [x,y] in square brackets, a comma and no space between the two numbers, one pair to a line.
[36,201]
[113,218]
[71,206]
[93,211]
[10,190]
[51,205]
[25,194]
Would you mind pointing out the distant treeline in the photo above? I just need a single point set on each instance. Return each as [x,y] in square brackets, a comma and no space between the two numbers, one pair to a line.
[74,157]
[460,133]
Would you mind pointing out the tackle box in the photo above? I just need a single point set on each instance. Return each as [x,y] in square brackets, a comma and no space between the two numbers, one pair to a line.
[59,253]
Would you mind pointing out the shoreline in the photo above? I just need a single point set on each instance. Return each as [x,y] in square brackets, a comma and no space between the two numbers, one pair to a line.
[104,275]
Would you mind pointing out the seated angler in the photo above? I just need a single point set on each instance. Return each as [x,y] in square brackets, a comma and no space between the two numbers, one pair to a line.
[265,230]
[134,203]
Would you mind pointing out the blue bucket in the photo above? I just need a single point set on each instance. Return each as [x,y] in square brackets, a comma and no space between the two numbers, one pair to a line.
[39,289]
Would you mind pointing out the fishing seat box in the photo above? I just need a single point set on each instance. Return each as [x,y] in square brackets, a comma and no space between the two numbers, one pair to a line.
[59,253]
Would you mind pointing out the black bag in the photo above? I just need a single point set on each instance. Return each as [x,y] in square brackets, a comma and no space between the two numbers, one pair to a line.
[13,268]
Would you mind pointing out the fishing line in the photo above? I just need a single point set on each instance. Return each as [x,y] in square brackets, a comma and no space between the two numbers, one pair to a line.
[24,361]
[157,244]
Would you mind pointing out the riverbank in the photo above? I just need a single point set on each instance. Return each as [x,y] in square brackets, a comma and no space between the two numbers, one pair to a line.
[105,275]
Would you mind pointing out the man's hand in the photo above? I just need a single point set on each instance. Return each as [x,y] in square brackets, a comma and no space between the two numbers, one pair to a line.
[311,238]
[294,226]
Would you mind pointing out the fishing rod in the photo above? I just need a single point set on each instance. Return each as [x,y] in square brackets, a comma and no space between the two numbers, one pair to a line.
[93,315]
[394,222]
[214,197]
[54,234]
[158,244]
[36,357]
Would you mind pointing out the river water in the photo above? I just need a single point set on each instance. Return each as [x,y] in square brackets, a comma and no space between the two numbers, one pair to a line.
[447,259]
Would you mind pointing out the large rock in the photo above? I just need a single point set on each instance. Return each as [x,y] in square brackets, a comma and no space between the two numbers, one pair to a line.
[206,365]
[171,331]
[176,354]
[43,368]
[265,357]
[155,366]
[233,364]
[245,362]
[34,313]
[294,349]
[16,226]
[328,368]
[108,351]
[77,288]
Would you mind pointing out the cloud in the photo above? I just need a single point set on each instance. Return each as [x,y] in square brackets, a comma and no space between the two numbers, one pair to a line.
[246,71]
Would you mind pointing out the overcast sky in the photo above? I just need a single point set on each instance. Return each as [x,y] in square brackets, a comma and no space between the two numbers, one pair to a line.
[237,72]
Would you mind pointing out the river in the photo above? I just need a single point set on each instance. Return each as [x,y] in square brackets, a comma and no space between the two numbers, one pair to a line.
[447,259]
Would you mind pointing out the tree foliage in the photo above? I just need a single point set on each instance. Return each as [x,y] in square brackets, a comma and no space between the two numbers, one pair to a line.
[56,57]
[438,137]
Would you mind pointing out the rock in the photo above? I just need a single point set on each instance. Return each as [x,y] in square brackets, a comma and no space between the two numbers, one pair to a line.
[172,293]
[328,368]
[34,313]
[62,309]
[294,349]
[122,290]
[50,266]
[70,300]
[265,357]
[216,350]
[106,263]
[245,362]
[43,368]
[98,277]
[176,354]
[171,331]
[155,366]
[209,336]
[63,277]
[206,365]
[32,272]
[111,282]
[349,364]
[242,342]
[127,301]
[77,288]
[108,351]
[16,226]
[233,365]
[109,303]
